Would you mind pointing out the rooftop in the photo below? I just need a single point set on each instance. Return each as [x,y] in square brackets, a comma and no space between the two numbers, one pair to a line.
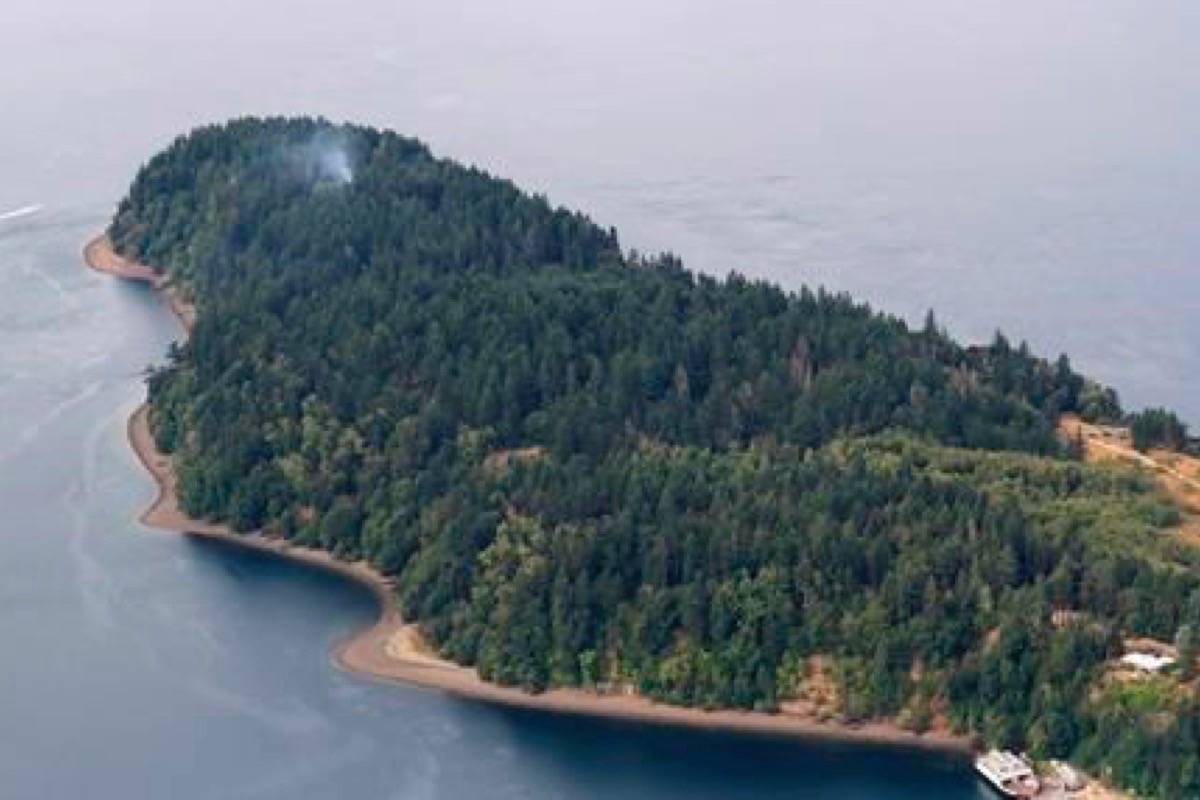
[1148,662]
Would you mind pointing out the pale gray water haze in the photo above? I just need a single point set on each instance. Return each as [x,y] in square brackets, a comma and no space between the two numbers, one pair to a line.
[1024,165]
[1021,165]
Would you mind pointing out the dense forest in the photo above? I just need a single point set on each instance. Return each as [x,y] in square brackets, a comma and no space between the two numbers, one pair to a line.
[587,467]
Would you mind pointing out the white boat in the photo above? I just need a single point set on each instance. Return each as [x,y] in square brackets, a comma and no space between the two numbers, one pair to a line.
[1008,773]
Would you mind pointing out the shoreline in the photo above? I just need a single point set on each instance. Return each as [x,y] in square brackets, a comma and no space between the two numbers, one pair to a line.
[393,651]
[99,255]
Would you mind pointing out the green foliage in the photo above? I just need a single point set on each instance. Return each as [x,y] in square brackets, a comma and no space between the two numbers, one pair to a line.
[1187,643]
[1157,427]
[1099,403]
[585,469]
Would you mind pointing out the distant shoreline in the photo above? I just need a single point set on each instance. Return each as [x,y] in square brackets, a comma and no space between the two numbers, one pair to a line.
[392,651]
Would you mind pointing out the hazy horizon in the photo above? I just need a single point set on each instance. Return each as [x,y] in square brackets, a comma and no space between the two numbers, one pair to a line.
[1018,165]
[1022,166]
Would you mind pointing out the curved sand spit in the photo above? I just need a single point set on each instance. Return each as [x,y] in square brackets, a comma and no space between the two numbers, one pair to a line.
[391,650]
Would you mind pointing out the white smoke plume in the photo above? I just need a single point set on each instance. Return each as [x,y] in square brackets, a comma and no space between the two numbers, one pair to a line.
[334,163]
[327,158]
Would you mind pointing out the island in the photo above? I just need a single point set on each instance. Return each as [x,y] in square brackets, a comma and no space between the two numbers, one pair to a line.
[590,480]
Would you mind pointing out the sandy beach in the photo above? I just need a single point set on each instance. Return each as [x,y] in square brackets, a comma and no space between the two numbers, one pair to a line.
[395,651]
[100,256]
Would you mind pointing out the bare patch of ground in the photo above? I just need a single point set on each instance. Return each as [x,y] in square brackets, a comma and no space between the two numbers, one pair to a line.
[1177,473]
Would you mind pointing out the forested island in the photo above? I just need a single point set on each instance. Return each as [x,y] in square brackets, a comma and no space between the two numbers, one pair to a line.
[592,468]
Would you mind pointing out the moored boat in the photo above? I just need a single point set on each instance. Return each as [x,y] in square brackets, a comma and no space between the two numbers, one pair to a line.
[1008,773]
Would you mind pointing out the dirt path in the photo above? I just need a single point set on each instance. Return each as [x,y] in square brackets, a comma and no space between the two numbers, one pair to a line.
[1178,474]
[1107,443]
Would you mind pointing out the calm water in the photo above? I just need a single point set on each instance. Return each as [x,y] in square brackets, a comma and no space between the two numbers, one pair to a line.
[141,664]
[1012,165]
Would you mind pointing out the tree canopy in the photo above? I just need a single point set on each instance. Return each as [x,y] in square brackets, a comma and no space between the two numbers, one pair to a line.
[591,468]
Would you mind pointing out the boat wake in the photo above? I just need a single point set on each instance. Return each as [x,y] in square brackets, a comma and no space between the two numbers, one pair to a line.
[20,212]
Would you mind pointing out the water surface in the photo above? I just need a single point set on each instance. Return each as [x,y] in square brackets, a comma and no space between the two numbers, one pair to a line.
[142,664]
[1013,163]
[1021,165]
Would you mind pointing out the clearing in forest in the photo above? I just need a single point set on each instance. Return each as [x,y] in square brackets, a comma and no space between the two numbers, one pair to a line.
[1177,473]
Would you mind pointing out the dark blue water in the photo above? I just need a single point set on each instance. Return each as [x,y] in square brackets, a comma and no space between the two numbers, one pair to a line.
[1022,165]
[141,664]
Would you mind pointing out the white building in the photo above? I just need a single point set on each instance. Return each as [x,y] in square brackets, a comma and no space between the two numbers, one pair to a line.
[1147,662]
